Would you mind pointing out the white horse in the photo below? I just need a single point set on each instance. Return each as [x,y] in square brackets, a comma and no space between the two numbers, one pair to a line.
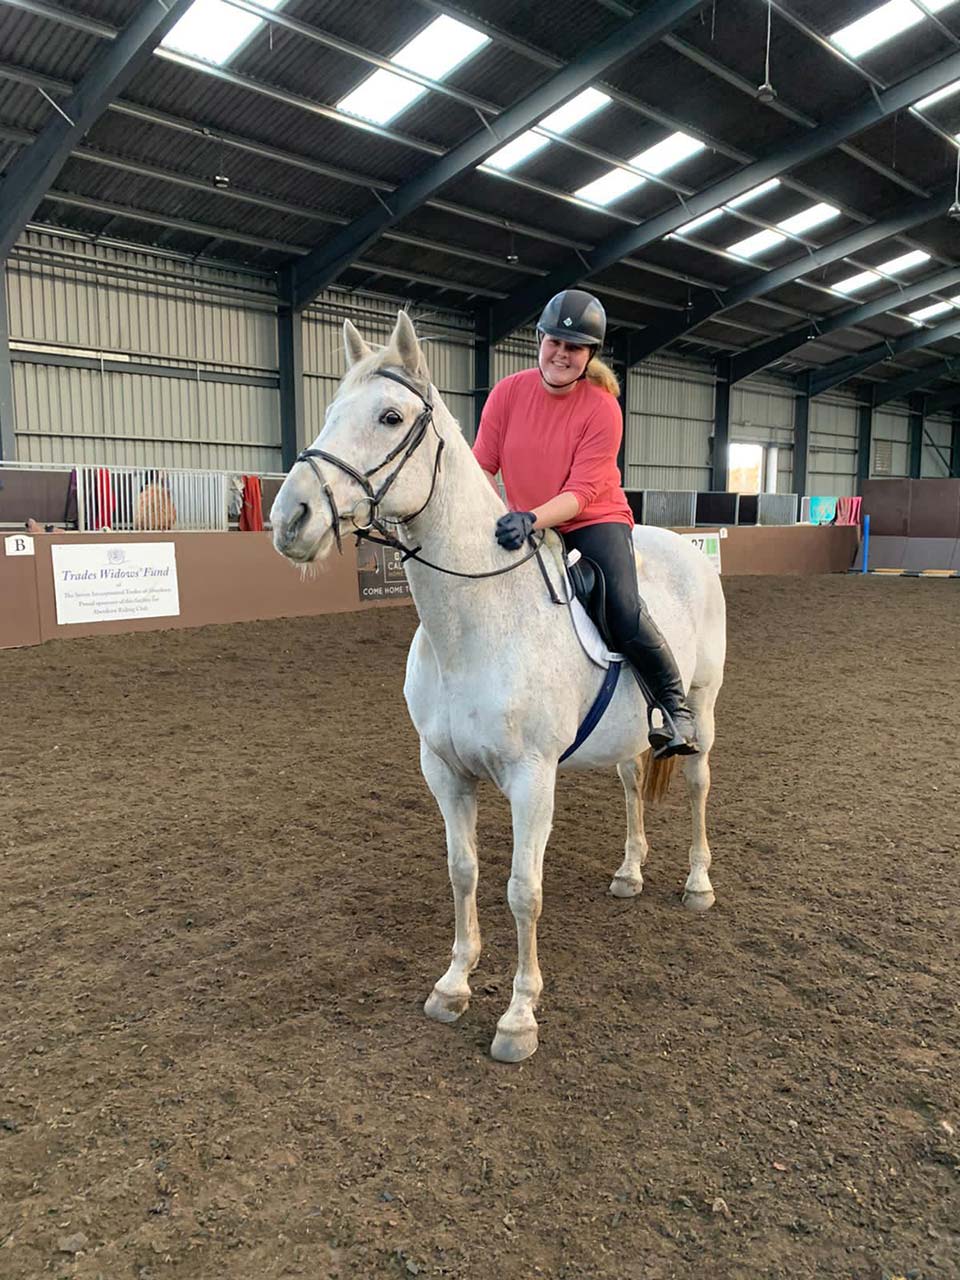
[497,682]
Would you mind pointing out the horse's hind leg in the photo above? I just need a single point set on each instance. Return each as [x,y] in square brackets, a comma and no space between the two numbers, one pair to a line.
[457,797]
[628,881]
[698,891]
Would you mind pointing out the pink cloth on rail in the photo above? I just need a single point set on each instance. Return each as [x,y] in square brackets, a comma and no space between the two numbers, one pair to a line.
[848,510]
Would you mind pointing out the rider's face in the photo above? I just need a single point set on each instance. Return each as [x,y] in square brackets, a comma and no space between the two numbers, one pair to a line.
[562,363]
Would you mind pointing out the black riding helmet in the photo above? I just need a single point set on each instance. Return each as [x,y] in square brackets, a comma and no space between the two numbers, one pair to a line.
[574,316]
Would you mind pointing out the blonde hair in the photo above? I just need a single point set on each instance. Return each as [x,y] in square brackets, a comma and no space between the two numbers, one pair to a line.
[602,376]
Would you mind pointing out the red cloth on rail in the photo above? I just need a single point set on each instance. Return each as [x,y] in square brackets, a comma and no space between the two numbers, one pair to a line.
[848,510]
[103,500]
[251,513]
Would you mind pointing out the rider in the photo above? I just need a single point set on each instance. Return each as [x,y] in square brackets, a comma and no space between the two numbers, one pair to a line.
[553,433]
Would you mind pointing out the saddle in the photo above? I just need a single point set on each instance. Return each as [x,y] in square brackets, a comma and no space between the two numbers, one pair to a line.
[590,588]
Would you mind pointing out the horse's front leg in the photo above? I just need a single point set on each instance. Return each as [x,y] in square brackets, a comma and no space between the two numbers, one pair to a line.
[457,797]
[530,788]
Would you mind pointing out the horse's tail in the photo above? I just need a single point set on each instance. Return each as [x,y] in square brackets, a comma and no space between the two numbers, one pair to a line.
[657,776]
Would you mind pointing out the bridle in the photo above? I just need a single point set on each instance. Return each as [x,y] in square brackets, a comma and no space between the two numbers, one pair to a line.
[405,450]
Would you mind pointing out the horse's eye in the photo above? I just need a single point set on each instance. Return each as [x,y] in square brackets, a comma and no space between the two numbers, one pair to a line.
[390,418]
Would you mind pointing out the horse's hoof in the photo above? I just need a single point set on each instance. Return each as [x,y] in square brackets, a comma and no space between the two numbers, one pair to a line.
[622,887]
[444,1008]
[698,900]
[514,1046]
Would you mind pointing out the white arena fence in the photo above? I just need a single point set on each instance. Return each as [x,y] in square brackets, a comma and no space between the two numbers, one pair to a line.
[129,499]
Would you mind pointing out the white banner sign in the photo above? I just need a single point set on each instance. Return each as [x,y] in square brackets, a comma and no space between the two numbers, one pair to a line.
[106,581]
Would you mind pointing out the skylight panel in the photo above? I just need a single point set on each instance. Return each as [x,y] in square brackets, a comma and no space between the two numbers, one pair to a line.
[927,313]
[882,24]
[807,219]
[906,262]
[705,218]
[575,111]
[795,225]
[439,49]
[894,267]
[946,92]
[712,214]
[214,31]
[562,120]
[754,193]
[515,152]
[655,160]
[610,186]
[664,155]
[759,243]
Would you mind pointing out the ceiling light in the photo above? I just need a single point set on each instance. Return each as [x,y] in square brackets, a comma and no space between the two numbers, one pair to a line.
[515,152]
[946,92]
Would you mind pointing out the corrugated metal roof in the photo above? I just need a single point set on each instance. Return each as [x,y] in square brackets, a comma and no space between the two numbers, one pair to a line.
[48,47]
[679,86]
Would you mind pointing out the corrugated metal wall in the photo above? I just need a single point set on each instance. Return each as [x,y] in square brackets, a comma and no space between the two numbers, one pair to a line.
[447,338]
[891,442]
[761,412]
[935,459]
[832,465]
[668,427]
[203,341]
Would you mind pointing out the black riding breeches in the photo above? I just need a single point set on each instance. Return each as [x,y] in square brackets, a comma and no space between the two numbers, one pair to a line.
[610,545]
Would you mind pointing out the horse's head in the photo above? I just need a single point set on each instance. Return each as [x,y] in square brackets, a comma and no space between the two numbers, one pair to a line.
[373,458]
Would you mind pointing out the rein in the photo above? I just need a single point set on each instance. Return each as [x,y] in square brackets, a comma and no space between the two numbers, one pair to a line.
[407,447]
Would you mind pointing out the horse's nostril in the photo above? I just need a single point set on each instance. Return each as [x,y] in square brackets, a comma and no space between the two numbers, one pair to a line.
[297,519]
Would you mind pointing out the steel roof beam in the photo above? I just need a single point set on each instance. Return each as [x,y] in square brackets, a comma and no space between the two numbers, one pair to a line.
[946,399]
[832,374]
[326,262]
[30,175]
[880,106]
[916,380]
[765,353]
[708,304]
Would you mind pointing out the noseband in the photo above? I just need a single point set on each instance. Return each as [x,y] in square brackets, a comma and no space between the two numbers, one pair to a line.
[404,451]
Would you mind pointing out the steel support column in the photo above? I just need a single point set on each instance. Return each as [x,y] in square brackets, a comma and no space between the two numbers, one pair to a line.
[864,439]
[8,441]
[801,436]
[482,365]
[955,445]
[720,469]
[290,361]
[620,348]
[918,405]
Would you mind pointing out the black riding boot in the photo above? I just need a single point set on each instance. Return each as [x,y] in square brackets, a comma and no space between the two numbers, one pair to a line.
[658,677]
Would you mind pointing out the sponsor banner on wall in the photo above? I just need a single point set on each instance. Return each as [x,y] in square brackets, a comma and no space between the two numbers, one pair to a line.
[109,581]
[380,573]
[709,544]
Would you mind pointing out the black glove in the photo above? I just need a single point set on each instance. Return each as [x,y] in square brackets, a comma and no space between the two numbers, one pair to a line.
[514,528]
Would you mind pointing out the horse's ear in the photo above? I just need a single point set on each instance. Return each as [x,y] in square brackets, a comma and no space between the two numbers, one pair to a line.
[354,345]
[407,346]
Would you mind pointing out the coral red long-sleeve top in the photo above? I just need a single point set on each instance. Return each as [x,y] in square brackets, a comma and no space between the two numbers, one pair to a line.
[544,445]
